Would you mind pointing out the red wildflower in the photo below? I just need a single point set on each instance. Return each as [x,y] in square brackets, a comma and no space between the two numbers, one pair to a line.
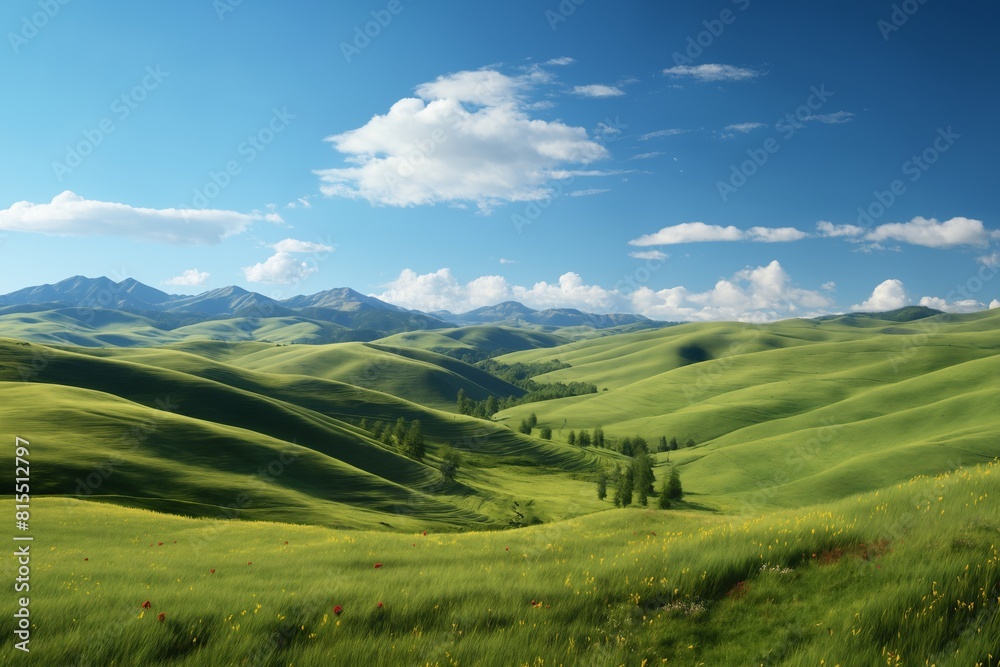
[161,617]
[212,571]
[378,565]
[249,562]
[338,610]
[159,544]
[425,532]
[86,559]
[379,605]
[286,541]
[146,604]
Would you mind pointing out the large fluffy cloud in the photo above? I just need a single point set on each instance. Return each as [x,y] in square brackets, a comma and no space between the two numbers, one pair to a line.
[283,268]
[467,137]
[757,294]
[693,232]
[754,294]
[189,278]
[69,214]
[888,295]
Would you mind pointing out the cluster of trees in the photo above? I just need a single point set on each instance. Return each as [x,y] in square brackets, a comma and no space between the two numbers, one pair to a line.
[635,484]
[407,439]
[520,375]
[672,445]
[626,446]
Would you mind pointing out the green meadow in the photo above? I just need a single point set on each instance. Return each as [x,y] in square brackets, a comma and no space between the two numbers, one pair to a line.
[837,473]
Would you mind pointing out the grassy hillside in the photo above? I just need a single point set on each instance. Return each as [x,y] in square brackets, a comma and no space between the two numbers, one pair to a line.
[475,340]
[795,412]
[92,327]
[904,576]
[187,434]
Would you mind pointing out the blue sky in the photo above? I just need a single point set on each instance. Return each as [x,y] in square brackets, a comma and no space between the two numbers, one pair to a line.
[712,160]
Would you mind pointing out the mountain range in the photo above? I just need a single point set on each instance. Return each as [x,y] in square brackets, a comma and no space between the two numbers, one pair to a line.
[355,316]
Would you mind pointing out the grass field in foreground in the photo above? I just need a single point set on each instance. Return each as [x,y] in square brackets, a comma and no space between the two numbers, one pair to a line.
[907,575]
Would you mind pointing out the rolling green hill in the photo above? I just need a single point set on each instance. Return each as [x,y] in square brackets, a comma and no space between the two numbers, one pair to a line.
[186,434]
[795,412]
[475,341]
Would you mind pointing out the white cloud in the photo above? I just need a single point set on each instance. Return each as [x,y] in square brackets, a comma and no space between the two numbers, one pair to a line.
[189,278]
[588,192]
[829,286]
[763,293]
[598,90]
[69,214]
[963,306]
[835,118]
[712,72]
[775,234]
[760,294]
[695,232]
[990,260]
[281,268]
[300,202]
[689,232]
[744,127]
[442,291]
[662,133]
[569,292]
[504,260]
[468,137]
[888,295]
[831,230]
[565,60]
[649,254]
[294,245]
[994,304]
[646,156]
[933,234]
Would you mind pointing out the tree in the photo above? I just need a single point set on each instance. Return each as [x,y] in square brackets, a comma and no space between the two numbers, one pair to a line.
[532,420]
[399,432]
[377,429]
[639,445]
[690,443]
[546,433]
[571,438]
[663,446]
[644,476]
[598,436]
[364,425]
[413,441]
[583,439]
[451,460]
[627,485]
[465,404]
[525,427]
[673,444]
[492,407]
[674,489]
[625,446]
[602,485]
[664,497]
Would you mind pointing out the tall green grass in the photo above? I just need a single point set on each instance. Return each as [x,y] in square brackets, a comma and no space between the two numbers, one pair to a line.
[907,575]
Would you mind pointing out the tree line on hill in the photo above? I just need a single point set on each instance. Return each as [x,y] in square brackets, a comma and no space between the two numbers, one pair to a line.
[519,375]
